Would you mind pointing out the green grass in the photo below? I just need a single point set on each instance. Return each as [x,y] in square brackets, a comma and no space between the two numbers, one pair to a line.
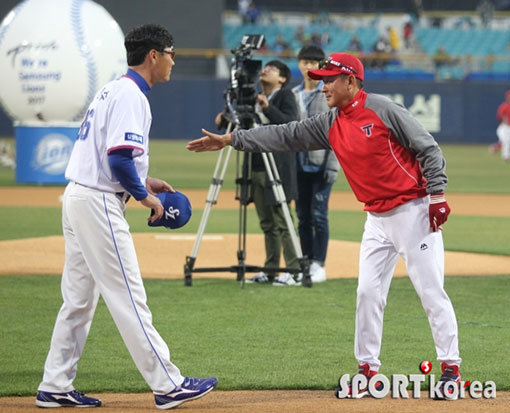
[261,337]
[258,337]
[470,168]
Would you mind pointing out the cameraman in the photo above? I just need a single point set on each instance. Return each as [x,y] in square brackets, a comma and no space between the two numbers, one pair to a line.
[275,105]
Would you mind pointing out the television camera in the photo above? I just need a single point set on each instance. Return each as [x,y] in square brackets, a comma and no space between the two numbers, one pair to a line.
[239,113]
[241,95]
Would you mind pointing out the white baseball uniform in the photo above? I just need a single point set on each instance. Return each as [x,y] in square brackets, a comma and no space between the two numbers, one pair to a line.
[402,232]
[100,257]
[503,130]
[392,163]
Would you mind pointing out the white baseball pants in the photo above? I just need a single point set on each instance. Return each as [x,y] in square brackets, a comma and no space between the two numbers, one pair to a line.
[100,259]
[403,231]
[503,132]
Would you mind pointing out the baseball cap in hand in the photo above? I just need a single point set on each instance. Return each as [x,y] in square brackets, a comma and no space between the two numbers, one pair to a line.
[337,64]
[177,210]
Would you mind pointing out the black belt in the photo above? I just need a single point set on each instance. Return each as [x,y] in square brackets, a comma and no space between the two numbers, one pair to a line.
[123,196]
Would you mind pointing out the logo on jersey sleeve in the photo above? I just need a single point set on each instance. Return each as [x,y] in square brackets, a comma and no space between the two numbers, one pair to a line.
[133,137]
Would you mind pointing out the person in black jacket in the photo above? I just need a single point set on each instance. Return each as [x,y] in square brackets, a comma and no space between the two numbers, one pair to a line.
[275,105]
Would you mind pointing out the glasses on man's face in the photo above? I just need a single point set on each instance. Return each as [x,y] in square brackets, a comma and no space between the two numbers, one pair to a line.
[323,64]
[169,52]
[270,68]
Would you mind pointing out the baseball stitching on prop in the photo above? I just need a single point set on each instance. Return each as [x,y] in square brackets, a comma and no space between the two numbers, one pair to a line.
[11,16]
[85,51]
[3,30]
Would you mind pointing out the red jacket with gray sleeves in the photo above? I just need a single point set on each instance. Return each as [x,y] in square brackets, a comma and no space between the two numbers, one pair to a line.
[387,156]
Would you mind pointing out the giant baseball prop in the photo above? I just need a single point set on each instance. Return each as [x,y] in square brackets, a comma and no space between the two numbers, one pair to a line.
[54,55]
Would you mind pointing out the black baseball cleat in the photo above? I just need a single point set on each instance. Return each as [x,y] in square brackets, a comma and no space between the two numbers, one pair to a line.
[70,399]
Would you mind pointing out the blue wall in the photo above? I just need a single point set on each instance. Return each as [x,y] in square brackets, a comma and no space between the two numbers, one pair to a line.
[453,112]
[467,110]
[181,108]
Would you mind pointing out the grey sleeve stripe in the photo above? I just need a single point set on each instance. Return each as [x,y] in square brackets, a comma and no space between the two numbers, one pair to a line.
[414,137]
[298,136]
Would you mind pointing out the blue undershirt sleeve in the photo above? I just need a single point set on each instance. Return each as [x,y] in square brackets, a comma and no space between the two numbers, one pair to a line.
[122,165]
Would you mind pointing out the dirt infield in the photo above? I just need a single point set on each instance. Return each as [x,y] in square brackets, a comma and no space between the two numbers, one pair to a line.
[282,401]
[46,255]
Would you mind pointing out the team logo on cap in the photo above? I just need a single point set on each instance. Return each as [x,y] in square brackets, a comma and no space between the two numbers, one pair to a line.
[171,213]
[176,210]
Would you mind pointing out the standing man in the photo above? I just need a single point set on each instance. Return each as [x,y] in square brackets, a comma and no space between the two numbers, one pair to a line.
[275,105]
[109,163]
[317,170]
[396,168]
[503,130]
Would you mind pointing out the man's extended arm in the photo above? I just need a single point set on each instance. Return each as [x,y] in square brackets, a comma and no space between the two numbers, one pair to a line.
[306,135]
[303,136]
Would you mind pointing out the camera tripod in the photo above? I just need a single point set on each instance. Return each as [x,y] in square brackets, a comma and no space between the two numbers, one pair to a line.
[242,194]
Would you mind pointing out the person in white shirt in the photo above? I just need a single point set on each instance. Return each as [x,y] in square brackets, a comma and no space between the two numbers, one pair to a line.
[108,165]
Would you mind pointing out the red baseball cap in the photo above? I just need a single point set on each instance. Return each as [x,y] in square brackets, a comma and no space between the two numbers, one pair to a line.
[337,64]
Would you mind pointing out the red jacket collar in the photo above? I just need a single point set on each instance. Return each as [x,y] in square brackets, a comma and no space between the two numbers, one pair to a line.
[358,101]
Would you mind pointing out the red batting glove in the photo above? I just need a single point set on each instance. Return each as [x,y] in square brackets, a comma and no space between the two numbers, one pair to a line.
[438,211]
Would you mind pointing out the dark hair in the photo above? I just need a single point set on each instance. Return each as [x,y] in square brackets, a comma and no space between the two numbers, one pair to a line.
[282,68]
[141,39]
[311,52]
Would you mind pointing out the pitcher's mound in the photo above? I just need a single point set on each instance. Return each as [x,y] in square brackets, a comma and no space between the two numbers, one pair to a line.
[163,256]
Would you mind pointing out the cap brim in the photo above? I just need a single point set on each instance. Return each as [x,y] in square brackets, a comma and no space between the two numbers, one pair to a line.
[321,73]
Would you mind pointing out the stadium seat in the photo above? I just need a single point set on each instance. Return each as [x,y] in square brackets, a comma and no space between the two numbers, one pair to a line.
[462,42]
